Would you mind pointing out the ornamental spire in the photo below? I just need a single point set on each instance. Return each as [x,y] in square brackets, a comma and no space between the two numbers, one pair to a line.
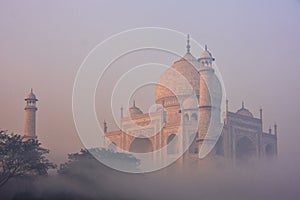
[188,47]
[105,126]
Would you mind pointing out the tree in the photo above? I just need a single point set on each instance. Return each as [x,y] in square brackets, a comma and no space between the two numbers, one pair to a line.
[95,179]
[21,158]
[85,160]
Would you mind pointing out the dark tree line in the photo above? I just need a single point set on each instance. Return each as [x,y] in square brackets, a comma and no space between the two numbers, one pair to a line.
[85,159]
[23,164]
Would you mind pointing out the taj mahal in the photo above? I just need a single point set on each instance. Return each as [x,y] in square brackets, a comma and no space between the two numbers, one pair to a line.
[181,119]
[241,133]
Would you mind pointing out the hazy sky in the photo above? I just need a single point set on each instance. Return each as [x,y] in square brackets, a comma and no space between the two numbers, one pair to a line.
[256,45]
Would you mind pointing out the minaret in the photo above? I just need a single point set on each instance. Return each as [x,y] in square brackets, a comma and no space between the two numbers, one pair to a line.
[209,104]
[260,113]
[30,117]
[261,118]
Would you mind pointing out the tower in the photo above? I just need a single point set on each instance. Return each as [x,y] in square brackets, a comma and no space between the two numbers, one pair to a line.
[209,104]
[30,116]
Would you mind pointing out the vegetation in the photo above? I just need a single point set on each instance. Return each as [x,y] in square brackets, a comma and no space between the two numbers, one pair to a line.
[21,158]
[81,177]
[85,159]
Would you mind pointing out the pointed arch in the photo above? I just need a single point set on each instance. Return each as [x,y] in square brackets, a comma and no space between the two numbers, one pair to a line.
[172,142]
[141,145]
[245,149]
[193,148]
[269,150]
[186,117]
[194,117]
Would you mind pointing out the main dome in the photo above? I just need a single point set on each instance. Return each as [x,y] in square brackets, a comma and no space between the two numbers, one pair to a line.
[181,79]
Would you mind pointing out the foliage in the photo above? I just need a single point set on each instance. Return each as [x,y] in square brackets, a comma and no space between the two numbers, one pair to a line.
[21,158]
[85,160]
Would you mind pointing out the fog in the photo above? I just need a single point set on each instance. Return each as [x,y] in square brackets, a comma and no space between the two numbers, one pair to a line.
[276,179]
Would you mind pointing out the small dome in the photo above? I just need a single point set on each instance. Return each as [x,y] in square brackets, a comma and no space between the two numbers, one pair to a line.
[31,95]
[190,103]
[134,110]
[245,112]
[181,78]
[206,54]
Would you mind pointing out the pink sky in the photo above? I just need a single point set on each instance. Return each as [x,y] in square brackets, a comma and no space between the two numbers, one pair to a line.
[256,45]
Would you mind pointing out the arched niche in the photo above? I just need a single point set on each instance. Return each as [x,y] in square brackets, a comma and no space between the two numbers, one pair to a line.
[141,145]
[172,142]
[245,149]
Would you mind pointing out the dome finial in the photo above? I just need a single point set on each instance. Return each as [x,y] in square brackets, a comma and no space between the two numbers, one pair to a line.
[188,47]
[133,103]
[31,90]
[243,104]
[121,111]
[205,47]
[105,126]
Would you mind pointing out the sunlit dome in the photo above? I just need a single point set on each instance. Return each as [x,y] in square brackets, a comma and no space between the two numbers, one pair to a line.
[206,54]
[134,110]
[31,95]
[181,78]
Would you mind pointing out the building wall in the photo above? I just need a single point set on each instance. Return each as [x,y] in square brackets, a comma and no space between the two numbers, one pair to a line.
[237,128]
